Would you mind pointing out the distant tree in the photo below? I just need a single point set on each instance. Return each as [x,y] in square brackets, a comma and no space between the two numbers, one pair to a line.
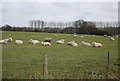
[7,27]
[38,23]
[42,25]
[84,27]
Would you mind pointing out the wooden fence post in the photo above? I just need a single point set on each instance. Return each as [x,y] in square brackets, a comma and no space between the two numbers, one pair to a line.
[45,67]
[108,61]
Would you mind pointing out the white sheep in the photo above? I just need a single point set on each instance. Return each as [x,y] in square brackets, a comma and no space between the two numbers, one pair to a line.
[68,35]
[19,42]
[34,41]
[47,39]
[72,43]
[8,40]
[81,36]
[105,35]
[45,43]
[85,43]
[93,35]
[69,43]
[3,41]
[75,35]
[94,44]
[112,39]
[30,41]
[60,41]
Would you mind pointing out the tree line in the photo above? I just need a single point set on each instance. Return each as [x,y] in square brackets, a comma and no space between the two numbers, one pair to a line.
[78,27]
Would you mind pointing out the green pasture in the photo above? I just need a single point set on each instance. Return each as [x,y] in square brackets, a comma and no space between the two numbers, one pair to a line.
[64,62]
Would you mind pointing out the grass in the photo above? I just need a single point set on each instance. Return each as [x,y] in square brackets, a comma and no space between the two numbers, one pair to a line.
[64,62]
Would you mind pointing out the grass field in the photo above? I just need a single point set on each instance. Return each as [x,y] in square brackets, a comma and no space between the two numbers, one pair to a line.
[25,61]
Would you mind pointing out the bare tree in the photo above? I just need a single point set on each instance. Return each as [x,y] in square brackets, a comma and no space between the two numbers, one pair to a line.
[38,23]
[42,25]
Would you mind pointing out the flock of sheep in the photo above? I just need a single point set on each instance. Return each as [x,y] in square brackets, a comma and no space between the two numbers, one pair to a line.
[46,42]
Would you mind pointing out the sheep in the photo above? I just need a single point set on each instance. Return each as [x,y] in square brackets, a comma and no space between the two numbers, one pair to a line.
[93,35]
[69,43]
[105,35]
[47,40]
[19,42]
[72,43]
[81,36]
[45,43]
[85,43]
[31,41]
[68,35]
[75,35]
[8,40]
[112,39]
[3,41]
[60,41]
[94,44]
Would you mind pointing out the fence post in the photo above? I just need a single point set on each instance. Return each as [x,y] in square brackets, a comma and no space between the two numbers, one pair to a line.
[45,66]
[108,61]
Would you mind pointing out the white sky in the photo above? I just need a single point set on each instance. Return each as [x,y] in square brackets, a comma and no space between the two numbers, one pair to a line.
[17,13]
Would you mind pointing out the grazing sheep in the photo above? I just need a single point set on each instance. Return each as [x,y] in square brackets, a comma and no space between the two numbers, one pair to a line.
[47,40]
[94,44]
[60,41]
[3,41]
[93,35]
[19,42]
[68,35]
[8,40]
[105,35]
[69,43]
[31,41]
[81,36]
[112,39]
[72,43]
[45,43]
[75,35]
[85,43]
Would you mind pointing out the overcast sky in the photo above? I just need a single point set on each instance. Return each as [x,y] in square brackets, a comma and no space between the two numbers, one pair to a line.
[20,13]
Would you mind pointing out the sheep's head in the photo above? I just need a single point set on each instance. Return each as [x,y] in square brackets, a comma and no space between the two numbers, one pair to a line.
[5,41]
[10,39]
[93,43]
[30,41]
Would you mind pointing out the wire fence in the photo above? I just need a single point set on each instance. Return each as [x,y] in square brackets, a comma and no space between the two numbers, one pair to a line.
[61,66]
